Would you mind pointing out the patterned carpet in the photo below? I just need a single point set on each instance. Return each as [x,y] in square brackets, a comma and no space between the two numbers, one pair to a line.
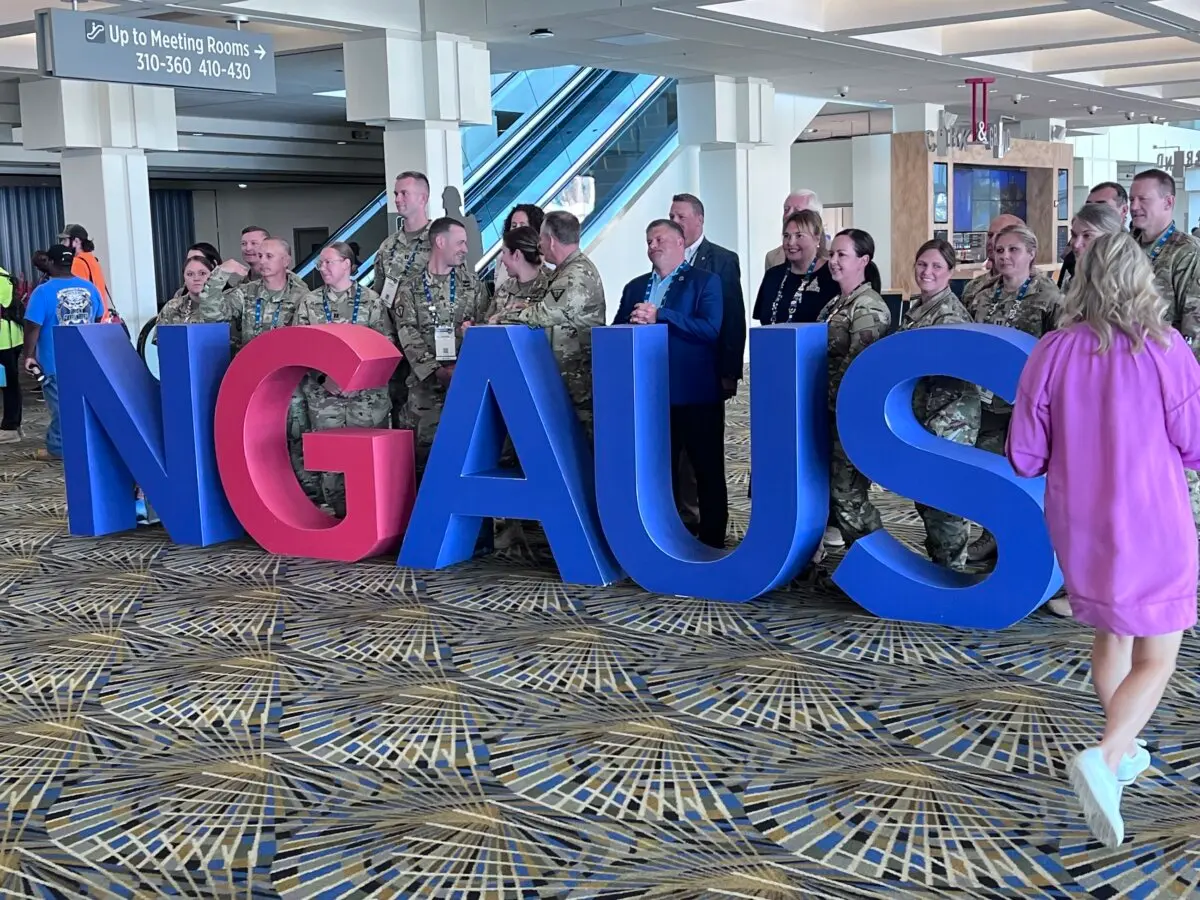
[221,723]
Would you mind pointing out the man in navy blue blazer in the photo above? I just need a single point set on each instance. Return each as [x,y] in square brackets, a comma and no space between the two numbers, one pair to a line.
[688,301]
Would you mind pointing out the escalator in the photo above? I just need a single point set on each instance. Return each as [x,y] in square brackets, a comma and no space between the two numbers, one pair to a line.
[562,128]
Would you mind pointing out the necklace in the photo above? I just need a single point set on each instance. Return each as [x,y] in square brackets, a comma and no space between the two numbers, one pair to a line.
[805,281]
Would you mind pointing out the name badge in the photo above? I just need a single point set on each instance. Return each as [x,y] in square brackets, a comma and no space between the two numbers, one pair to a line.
[389,290]
[443,343]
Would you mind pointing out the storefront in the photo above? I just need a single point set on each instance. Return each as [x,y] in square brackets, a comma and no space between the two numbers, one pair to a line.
[955,195]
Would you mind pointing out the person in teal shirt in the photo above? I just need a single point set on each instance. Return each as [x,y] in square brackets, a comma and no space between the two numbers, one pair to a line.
[63,300]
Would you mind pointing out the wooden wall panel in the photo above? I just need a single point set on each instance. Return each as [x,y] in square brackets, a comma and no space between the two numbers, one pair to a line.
[912,206]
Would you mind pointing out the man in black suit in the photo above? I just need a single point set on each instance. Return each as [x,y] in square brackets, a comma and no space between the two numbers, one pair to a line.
[687,211]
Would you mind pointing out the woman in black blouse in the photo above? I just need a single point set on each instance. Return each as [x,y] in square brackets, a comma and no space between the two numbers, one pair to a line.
[799,289]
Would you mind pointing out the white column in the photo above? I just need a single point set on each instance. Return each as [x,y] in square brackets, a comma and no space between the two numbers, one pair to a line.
[871,167]
[420,89]
[744,131]
[916,117]
[104,131]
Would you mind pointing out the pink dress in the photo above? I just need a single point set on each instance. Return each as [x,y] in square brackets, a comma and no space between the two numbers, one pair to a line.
[1112,433]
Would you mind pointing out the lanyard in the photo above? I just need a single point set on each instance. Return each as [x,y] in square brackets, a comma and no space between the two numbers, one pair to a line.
[258,314]
[679,270]
[795,294]
[1158,245]
[429,295]
[1017,305]
[329,314]
[412,254]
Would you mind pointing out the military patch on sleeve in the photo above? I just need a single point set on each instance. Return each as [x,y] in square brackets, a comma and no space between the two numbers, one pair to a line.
[557,293]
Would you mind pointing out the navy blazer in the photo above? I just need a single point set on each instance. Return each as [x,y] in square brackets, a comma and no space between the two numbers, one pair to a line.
[724,264]
[692,313]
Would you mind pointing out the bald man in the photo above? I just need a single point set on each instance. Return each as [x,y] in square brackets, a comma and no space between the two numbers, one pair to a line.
[793,203]
[979,282]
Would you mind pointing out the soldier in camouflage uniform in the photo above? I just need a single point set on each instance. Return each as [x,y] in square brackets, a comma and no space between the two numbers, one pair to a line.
[1175,256]
[947,407]
[343,300]
[568,304]
[429,310]
[987,280]
[1020,298]
[184,307]
[855,319]
[401,256]
[264,303]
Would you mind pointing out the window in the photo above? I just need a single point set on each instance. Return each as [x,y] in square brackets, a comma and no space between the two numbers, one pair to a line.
[941,195]
[1064,197]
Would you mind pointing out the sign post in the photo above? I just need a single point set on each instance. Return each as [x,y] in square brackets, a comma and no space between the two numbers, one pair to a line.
[128,50]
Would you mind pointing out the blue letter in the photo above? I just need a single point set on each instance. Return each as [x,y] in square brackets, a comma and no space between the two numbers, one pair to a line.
[789,456]
[507,376]
[119,425]
[883,438]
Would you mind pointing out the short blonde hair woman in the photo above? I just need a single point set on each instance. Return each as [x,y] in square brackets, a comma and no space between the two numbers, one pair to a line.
[1116,290]
[1119,391]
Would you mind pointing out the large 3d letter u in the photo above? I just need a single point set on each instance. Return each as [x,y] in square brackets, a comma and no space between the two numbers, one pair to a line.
[789,456]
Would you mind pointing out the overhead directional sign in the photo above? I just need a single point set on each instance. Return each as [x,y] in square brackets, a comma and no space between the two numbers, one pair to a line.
[145,51]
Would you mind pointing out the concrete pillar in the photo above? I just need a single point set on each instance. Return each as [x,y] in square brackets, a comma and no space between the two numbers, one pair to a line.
[744,132]
[103,131]
[871,173]
[916,117]
[420,89]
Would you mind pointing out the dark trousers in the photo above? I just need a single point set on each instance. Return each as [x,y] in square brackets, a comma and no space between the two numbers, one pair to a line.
[12,388]
[699,431]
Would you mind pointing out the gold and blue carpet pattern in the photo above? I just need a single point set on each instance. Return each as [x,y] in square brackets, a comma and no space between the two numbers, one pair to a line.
[221,723]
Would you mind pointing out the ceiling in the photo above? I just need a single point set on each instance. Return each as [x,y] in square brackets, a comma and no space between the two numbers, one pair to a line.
[1138,58]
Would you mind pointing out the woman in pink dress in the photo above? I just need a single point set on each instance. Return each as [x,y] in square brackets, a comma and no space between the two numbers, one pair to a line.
[1108,409]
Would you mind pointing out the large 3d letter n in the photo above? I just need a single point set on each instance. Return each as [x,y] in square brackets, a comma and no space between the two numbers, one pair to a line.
[120,425]
[507,376]
[883,438]
[789,453]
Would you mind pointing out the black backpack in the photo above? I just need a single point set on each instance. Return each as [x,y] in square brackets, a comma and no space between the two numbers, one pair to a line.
[15,311]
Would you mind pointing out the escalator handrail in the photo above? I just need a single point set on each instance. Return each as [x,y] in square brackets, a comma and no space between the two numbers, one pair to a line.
[589,156]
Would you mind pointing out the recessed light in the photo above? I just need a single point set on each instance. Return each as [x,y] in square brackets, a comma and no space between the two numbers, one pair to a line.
[242,186]
[541,33]
[903,89]
[1052,100]
[341,93]
[197,134]
[994,91]
[810,131]
[341,143]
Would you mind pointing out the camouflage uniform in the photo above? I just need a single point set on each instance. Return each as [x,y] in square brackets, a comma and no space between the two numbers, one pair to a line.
[571,305]
[328,409]
[1036,314]
[400,256]
[977,284]
[950,409]
[182,309]
[251,309]
[1177,272]
[416,319]
[855,322]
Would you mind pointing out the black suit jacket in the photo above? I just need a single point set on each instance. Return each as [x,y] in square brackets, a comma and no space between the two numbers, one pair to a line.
[732,340]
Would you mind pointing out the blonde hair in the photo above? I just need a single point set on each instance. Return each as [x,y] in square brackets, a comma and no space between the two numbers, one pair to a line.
[1114,287]
[810,221]
[1028,238]
[1102,217]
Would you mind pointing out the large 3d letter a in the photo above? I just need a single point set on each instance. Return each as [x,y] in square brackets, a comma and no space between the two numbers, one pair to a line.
[120,425]
[507,376]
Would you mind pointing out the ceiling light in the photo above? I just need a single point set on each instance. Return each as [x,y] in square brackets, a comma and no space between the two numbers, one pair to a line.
[810,131]
[341,143]
[541,33]
[903,89]
[242,186]
[197,134]
[1052,100]
[341,93]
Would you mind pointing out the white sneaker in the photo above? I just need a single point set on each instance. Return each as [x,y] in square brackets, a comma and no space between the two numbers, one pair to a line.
[1060,606]
[833,537]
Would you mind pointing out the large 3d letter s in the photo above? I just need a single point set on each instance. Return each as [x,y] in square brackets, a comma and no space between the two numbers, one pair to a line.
[883,438]
[507,376]
[120,425]
[789,454]
[251,436]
